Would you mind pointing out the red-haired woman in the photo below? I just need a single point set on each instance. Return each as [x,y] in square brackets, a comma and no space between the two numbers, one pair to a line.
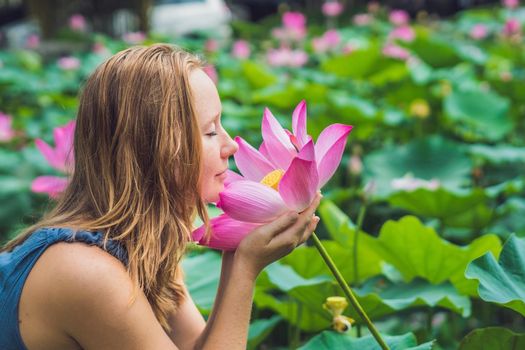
[102,269]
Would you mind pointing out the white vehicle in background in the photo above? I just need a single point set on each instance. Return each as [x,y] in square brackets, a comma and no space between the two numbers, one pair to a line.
[179,17]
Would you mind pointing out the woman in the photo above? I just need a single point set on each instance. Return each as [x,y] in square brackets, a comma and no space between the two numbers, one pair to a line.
[101,270]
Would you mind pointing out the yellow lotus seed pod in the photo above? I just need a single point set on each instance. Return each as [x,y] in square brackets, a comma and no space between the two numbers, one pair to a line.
[420,108]
[342,324]
[335,305]
[273,178]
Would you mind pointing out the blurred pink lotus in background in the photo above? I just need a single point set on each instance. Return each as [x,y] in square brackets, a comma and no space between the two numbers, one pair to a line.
[134,38]
[404,33]
[394,51]
[241,49]
[32,41]
[293,29]
[511,27]
[362,19]
[68,63]
[399,17]
[328,41]
[211,71]
[511,4]
[211,45]
[294,20]
[61,158]
[283,174]
[6,131]
[286,57]
[332,8]
[411,183]
[77,22]
[478,32]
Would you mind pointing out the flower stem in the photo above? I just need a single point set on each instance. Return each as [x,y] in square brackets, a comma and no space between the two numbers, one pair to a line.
[348,292]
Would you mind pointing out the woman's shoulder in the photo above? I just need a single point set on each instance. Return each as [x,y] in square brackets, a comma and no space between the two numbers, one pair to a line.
[73,286]
[75,270]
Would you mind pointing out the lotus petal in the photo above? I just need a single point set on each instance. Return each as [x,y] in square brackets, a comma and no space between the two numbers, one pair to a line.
[277,143]
[251,163]
[299,184]
[54,159]
[264,152]
[232,176]
[329,150]
[251,201]
[307,152]
[299,124]
[52,185]
[226,233]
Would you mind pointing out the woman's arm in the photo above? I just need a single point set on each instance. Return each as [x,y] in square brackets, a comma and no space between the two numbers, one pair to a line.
[227,327]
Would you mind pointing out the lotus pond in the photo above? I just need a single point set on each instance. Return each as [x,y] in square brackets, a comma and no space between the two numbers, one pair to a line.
[424,216]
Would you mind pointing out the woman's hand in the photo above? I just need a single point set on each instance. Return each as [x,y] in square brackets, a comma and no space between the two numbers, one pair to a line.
[272,241]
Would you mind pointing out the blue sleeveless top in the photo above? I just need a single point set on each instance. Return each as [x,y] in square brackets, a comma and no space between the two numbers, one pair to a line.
[16,265]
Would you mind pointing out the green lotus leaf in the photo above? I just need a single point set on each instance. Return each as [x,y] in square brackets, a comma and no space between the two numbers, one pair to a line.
[417,251]
[357,65]
[260,329]
[257,75]
[308,263]
[493,338]
[439,203]
[418,292]
[502,282]
[351,109]
[302,299]
[479,114]
[497,154]
[331,340]
[434,49]
[427,158]
[202,282]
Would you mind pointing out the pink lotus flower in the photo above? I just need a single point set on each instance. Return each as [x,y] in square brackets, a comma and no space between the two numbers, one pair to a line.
[211,45]
[329,41]
[134,38]
[6,131]
[77,22]
[410,183]
[61,158]
[32,41]
[348,48]
[101,50]
[404,33]
[68,63]
[241,49]
[283,174]
[294,20]
[478,32]
[511,4]
[511,27]
[394,51]
[294,27]
[332,8]
[285,57]
[362,19]
[399,17]
[211,71]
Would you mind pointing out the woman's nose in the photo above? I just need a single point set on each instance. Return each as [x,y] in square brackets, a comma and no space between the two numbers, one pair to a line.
[230,147]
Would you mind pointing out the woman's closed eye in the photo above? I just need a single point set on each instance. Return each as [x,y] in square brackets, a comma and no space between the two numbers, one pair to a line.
[213,133]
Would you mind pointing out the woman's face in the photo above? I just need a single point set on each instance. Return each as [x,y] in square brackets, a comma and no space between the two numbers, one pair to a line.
[217,145]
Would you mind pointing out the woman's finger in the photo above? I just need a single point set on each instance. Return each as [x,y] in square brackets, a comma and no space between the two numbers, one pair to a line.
[310,229]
